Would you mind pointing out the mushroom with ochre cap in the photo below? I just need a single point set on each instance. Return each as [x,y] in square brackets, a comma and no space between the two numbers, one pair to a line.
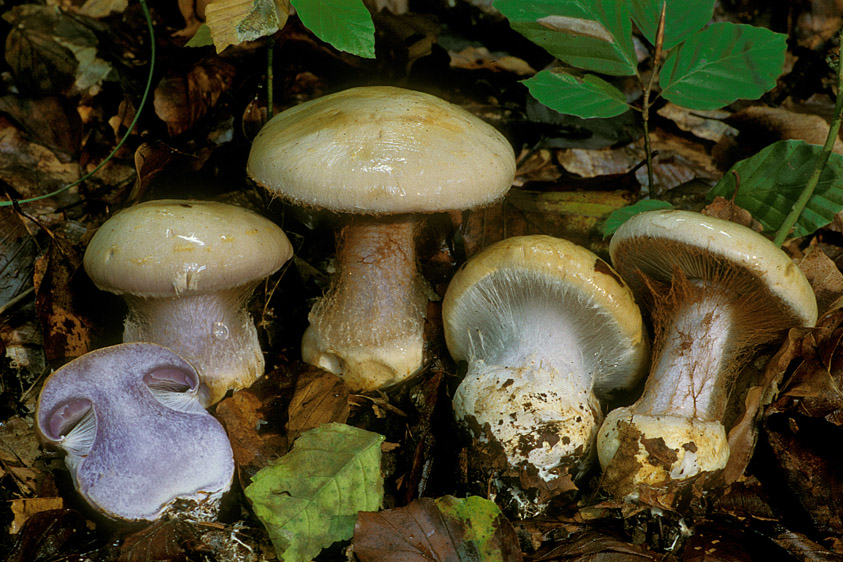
[716,290]
[384,155]
[546,327]
[137,437]
[186,270]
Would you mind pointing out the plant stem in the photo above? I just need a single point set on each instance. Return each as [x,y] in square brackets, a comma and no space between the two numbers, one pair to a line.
[645,103]
[806,194]
[270,77]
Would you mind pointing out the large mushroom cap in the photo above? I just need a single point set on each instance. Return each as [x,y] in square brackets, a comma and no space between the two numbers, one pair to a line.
[137,438]
[534,275]
[382,150]
[655,243]
[170,247]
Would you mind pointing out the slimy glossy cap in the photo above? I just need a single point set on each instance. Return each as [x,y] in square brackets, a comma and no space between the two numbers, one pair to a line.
[171,247]
[382,150]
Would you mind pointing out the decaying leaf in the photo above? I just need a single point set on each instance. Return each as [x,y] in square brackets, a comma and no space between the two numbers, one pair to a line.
[160,541]
[232,23]
[67,333]
[725,209]
[51,52]
[310,498]
[52,535]
[708,125]
[254,446]
[24,508]
[474,58]
[31,168]
[462,530]
[595,546]
[182,100]
[824,275]
[320,398]
[807,416]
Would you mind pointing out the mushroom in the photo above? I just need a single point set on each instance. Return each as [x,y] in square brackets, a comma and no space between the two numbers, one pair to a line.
[717,290]
[137,438]
[546,327]
[186,270]
[382,154]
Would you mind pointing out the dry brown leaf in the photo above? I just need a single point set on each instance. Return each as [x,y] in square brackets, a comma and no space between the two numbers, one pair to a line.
[818,22]
[824,275]
[67,332]
[708,125]
[678,161]
[242,418]
[479,58]
[181,101]
[25,508]
[320,397]
[421,532]
[760,126]
[31,168]
[725,209]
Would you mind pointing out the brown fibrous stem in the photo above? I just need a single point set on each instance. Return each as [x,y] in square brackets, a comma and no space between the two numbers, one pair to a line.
[373,314]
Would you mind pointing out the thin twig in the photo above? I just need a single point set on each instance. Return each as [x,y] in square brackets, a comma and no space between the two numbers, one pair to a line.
[645,104]
[808,191]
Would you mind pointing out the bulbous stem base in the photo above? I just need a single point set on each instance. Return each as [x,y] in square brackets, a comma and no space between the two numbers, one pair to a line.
[368,328]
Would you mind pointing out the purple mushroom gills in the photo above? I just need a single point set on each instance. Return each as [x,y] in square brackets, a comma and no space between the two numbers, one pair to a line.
[381,156]
[137,438]
[186,269]
[716,291]
[547,329]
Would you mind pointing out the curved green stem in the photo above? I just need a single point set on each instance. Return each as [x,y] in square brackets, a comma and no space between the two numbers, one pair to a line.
[811,185]
[128,132]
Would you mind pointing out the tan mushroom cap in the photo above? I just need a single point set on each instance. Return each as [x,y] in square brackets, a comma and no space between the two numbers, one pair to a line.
[655,242]
[171,247]
[559,262]
[382,150]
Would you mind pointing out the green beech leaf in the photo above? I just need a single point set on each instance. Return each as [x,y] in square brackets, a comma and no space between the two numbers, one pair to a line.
[345,24]
[772,180]
[593,35]
[682,18]
[620,216]
[721,64]
[584,96]
[310,498]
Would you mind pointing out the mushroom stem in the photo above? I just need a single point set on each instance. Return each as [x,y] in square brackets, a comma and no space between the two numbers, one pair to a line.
[696,358]
[212,330]
[368,328]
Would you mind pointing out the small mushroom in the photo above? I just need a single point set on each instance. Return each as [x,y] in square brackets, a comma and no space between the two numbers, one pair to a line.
[546,327]
[716,290]
[384,155]
[137,438]
[186,270]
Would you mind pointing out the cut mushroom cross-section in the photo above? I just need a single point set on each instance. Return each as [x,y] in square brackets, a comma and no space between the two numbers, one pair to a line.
[136,436]
[186,270]
[716,290]
[546,327]
[371,152]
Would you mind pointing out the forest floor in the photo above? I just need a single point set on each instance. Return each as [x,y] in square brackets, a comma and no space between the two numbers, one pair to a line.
[62,112]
